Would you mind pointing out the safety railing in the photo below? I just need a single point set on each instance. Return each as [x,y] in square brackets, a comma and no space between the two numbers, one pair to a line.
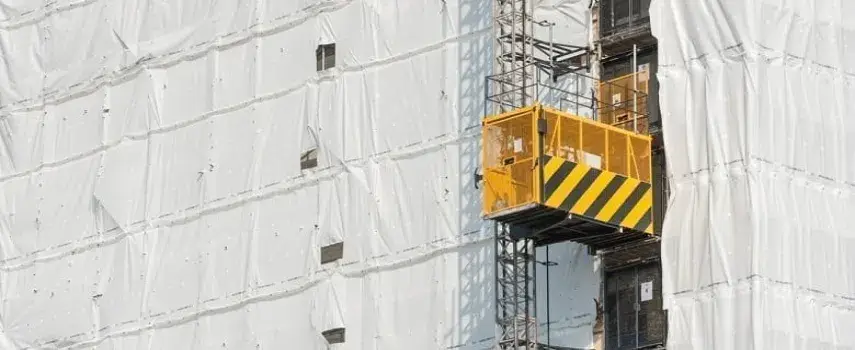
[509,160]
[622,102]
[597,145]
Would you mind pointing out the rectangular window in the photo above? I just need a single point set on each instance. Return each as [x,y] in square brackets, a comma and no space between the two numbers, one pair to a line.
[621,12]
[617,15]
[332,252]
[644,8]
[334,336]
[325,57]
[309,159]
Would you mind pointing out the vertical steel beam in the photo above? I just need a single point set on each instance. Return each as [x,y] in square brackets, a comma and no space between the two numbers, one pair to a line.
[516,307]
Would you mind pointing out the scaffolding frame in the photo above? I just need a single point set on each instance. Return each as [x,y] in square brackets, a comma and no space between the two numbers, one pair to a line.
[566,100]
[520,58]
[515,290]
[515,300]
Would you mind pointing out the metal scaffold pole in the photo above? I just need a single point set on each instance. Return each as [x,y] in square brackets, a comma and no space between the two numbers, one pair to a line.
[515,290]
[520,58]
[634,88]
[512,30]
[514,82]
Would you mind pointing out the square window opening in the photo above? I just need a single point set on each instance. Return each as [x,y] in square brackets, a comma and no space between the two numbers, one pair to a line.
[325,57]
[334,336]
[309,159]
[332,252]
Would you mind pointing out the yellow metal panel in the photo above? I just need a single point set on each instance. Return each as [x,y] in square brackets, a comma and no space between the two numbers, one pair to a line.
[567,184]
[551,167]
[508,161]
[616,200]
[593,192]
[600,195]
[638,210]
[641,160]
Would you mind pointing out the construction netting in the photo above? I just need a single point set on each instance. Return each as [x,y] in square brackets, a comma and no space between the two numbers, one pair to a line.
[172,171]
[757,104]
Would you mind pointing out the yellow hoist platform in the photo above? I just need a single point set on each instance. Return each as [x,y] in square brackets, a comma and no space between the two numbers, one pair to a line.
[567,177]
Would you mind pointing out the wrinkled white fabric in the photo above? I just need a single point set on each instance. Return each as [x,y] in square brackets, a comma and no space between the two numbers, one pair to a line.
[152,195]
[755,97]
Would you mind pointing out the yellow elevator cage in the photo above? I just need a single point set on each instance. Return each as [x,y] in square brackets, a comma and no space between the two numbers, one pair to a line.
[591,169]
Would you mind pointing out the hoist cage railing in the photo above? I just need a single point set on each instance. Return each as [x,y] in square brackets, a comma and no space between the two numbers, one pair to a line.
[620,102]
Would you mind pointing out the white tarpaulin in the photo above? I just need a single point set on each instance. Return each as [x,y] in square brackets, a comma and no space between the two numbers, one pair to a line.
[755,96]
[152,195]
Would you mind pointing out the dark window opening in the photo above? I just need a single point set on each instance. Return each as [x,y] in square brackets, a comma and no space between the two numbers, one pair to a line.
[309,159]
[621,65]
[334,336]
[644,8]
[332,252]
[325,57]
[634,317]
[619,15]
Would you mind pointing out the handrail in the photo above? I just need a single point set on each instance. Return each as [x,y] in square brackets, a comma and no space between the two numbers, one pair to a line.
[516,96]
[608,127]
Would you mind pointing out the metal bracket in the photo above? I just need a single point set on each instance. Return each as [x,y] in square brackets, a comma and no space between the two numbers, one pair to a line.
[477,177]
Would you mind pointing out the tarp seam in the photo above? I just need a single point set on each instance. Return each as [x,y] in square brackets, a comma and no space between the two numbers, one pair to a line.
[766,53]
[85,87]
[837,300]
[41,13]
[186,215]
[206,116]
[305,14]
[739,164]
[249,296]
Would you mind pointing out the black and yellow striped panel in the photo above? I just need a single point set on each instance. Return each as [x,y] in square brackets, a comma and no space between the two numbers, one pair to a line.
[598,194]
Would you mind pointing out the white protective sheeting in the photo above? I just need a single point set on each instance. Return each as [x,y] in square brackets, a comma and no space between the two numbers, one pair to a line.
[152,195]
[756,98]
[570,20]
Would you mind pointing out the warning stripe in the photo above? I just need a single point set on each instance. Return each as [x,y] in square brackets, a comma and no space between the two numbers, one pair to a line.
[579,187]
[557,177]
[551,165]
[598,194]
[600,202]
[593,192]
[616,200]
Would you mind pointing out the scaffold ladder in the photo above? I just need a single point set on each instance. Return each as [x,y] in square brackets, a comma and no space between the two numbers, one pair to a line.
[515,290]
[515,80]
